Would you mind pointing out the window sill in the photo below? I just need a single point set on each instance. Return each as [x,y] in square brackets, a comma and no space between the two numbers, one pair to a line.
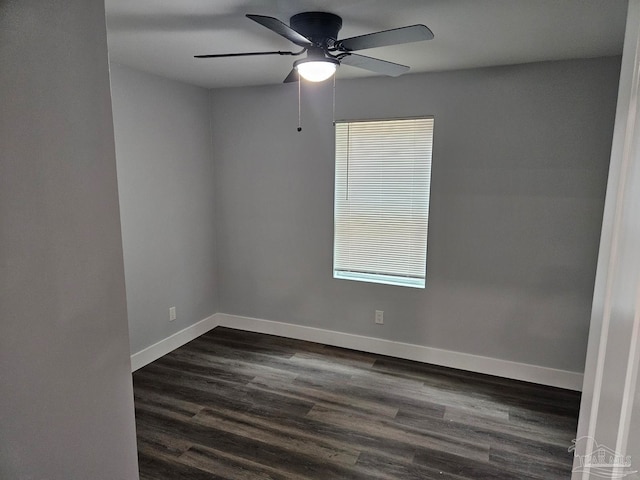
[382,279]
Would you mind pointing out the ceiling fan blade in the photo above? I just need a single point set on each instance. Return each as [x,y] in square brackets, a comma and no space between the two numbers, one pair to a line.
[374,65]
[396,36]
[281,29]
[292,77]
[245,54]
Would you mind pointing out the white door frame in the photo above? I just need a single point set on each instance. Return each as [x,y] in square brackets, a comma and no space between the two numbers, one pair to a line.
[607,410]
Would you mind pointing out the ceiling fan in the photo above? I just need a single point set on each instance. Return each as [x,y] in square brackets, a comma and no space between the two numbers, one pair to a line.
[317,34]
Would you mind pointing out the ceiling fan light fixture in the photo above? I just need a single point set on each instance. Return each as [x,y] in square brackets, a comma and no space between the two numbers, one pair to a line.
[316,70]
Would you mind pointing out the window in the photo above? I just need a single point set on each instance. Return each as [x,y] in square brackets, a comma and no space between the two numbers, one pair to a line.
[381,208]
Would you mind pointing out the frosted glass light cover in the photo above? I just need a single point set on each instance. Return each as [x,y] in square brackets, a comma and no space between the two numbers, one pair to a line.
[316,71]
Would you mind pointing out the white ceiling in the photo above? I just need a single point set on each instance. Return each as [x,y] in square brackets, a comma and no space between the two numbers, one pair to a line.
[161,36]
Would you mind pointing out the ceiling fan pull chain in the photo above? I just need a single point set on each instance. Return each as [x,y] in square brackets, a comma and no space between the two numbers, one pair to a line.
[334,100]
[299,109]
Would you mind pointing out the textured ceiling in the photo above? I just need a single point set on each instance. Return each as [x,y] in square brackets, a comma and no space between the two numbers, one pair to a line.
[161,36]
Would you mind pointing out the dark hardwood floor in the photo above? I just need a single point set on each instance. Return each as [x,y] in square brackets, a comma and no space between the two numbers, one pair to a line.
[239,405]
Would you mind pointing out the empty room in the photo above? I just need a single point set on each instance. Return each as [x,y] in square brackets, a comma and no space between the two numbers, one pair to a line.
[320,240]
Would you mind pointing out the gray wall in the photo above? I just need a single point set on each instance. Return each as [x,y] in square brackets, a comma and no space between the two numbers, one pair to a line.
[166,183]
[66,402]
[519,174]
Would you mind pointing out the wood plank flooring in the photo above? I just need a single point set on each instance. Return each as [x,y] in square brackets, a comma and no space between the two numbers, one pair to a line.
[236,405]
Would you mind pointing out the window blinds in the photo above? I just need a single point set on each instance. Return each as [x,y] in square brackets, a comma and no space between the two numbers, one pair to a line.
[381,209]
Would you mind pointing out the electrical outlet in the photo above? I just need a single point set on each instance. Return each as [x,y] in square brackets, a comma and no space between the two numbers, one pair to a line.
[172,314]
[379,317]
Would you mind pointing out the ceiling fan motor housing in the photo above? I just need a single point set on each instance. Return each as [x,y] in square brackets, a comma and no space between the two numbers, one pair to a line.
[320,27]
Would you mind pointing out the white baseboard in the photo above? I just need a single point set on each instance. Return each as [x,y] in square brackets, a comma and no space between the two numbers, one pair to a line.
[447,358]
[161,348]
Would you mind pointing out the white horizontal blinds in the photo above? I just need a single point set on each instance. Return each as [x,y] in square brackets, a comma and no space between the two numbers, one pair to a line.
[383,173]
